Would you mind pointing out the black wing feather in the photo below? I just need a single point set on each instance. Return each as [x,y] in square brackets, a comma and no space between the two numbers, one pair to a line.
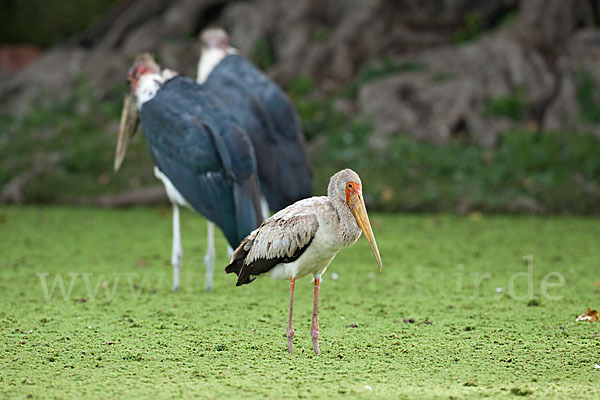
[273,125]
[206,155]
[244,272]
[283,238]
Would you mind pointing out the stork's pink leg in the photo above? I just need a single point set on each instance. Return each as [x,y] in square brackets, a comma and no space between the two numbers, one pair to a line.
[314,327]
[290,330]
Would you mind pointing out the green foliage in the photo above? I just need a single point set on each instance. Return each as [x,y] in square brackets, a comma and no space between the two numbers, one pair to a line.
[128,328]
[554,172]
[371,72]
[508,18]
[470,29]
[588,99]
[74,131]
[301,86]
[318,116]
[442,77]
[473,26]
[42,22]
[262,54]
[557,172]
[406,66]
[321,34]
[513,106]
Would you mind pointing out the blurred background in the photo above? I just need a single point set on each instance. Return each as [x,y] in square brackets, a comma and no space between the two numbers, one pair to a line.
[441,105]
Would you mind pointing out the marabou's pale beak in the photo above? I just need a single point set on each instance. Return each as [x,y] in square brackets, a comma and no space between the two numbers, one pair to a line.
[127,128]
[358,208]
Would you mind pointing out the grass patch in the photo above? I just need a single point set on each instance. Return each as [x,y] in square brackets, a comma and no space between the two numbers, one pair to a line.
[470,30]
[548,172]
[589,110]
[317,115]
[321,34]
[558,172]
[513,106]
[262,54]
[81,133]
[526,172]
[127,335]
[369,72]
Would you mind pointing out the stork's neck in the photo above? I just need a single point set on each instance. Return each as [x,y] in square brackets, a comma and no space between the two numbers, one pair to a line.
[348,231]
[209,59]
[147,87]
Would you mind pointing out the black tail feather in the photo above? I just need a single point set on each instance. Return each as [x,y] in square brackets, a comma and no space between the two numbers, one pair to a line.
[237,261]
[246,196]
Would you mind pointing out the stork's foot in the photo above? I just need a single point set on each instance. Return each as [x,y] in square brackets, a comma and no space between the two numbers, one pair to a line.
[314,333]
[290,338]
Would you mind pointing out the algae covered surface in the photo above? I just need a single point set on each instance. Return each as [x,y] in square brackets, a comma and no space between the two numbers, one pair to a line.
[466,307]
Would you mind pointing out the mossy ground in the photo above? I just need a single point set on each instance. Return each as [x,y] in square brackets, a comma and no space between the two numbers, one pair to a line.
[142,340]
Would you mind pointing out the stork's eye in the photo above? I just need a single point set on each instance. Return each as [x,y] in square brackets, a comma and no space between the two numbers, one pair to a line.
[350,186]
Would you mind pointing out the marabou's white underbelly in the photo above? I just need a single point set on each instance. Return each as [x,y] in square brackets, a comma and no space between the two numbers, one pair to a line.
[172,192]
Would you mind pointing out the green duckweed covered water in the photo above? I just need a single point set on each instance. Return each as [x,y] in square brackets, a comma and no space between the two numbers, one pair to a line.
[466,307]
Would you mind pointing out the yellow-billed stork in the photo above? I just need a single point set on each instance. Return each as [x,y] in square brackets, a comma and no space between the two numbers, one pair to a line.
[303,239]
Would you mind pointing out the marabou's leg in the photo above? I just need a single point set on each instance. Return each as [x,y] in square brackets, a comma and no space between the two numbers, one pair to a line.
[209,259]
[264,207]
[177,252]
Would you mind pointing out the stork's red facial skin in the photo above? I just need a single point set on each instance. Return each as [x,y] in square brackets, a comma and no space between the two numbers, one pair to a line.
[136,72]
[352,188]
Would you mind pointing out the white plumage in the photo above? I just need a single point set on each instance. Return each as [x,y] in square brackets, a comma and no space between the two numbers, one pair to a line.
[209,60]
[291,229]
[172,193]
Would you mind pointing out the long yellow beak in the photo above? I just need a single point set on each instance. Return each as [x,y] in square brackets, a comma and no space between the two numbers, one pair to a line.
[358,208]
[127,128]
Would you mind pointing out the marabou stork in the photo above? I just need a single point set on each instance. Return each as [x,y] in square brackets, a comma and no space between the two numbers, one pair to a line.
[266,113]
[303,239]
[202,156]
